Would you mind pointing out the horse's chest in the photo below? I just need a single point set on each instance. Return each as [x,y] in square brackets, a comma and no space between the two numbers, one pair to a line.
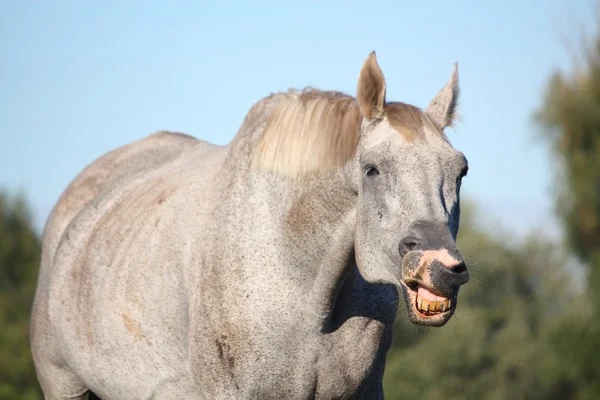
[337,362]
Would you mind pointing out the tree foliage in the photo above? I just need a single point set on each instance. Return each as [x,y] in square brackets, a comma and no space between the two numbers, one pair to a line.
[19,263]
[570,121]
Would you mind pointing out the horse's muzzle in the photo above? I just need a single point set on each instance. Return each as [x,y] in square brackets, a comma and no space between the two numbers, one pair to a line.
[432,272]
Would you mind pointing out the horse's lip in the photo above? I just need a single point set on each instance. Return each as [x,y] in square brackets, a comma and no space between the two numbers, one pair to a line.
[413,284]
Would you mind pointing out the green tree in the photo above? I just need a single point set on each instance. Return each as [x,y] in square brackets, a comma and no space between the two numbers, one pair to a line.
[570,122]
[19,264]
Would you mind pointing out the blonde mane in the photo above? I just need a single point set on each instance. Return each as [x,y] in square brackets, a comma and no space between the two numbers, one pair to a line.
[314,131]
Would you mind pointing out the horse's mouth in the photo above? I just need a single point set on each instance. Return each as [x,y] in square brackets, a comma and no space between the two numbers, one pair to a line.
[425,307]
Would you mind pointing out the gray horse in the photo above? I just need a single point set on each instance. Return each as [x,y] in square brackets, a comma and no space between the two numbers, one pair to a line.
[269,268]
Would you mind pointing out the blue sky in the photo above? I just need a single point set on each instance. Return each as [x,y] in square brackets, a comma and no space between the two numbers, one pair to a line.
[79,78]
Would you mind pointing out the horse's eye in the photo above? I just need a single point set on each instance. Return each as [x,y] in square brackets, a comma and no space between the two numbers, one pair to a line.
[371,171]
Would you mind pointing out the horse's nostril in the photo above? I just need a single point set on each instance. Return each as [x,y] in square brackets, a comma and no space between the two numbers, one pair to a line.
[459,269]
[460,274]
[407,244]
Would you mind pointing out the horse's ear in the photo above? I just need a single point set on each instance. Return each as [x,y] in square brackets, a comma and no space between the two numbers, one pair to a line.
[442,109]
[371,89]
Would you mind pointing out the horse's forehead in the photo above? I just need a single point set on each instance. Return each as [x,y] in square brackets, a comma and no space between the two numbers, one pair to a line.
[407,145]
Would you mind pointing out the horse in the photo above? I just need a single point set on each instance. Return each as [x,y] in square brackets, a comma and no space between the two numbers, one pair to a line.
[270,267]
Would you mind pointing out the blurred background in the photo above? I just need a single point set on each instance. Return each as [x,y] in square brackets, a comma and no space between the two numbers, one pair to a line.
[78,79]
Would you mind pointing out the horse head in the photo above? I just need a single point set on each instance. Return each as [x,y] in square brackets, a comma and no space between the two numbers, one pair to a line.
[408,181]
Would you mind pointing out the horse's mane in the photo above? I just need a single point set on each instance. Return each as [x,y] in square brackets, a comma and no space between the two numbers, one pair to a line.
[312,131]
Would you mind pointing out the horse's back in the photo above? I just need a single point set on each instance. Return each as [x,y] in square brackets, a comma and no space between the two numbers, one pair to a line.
[119,164]
[114,167]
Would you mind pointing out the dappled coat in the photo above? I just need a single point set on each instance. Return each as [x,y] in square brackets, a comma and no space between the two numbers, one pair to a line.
[267,268]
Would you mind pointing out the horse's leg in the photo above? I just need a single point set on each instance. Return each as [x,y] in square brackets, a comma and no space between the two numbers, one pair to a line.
[60,383]
[56,379]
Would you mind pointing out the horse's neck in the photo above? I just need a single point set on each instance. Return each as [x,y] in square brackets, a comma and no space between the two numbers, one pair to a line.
[306,228]
[321,224]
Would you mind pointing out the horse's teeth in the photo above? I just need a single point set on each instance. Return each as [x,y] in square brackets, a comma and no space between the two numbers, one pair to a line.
[432,306]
